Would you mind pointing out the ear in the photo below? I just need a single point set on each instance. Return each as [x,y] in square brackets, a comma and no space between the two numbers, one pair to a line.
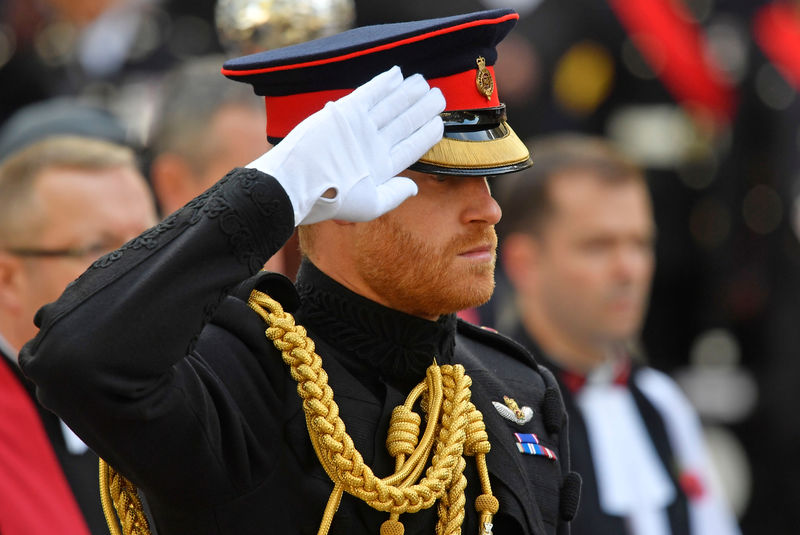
[334,246]
[11,283]
[277,262]
[173,180]
[519,254]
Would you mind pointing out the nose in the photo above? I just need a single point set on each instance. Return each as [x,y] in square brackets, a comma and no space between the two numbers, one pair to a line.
[480,206]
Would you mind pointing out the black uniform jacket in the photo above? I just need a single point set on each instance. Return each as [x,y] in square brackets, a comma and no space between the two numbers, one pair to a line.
[591,518]
[155,359]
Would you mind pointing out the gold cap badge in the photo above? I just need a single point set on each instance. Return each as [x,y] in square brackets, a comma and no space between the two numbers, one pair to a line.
[483,79]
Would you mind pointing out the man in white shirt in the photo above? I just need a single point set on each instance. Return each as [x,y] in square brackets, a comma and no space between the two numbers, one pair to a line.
[577,245]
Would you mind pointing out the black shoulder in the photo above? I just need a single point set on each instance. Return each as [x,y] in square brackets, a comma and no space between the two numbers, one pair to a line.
[495,340]
[234,315]
[277,286]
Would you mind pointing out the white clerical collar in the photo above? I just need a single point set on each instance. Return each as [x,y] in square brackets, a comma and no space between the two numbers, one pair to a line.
[631,479]
[613,370]
[8,350]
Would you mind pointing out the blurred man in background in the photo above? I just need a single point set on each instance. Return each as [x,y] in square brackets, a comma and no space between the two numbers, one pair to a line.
[64,201]
[205,127]
[577,246]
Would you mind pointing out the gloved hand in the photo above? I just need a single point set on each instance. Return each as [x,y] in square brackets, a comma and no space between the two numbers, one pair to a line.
[354,147]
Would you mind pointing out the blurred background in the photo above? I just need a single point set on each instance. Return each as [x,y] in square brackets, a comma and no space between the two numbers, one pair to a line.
[703,93]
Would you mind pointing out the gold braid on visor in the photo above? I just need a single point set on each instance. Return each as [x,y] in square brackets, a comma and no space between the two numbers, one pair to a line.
[475,143]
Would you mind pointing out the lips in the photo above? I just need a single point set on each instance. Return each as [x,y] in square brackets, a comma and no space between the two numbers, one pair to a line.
[478,246]
[480,253]
[479,250]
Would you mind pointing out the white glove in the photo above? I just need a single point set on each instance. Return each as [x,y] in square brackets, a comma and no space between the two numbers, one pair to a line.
[355,147]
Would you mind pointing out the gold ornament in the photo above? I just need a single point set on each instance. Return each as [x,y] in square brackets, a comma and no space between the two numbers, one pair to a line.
[249,26]
[483,79]
[511,404]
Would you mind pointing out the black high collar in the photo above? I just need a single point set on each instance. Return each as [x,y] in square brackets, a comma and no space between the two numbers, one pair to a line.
[372,338]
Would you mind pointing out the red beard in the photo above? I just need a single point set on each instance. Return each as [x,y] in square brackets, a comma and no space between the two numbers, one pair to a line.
[415,277]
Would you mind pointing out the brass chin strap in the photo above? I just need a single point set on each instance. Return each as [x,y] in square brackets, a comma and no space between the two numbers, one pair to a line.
[454,428]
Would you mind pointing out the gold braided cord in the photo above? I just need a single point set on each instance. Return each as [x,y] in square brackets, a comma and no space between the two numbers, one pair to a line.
[454,428]
[121,504]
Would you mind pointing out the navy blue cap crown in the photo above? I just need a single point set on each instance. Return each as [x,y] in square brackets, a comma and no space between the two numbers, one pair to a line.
[433,48]
[455,54]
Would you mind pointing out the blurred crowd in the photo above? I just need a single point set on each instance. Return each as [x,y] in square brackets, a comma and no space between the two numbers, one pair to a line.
[702,94]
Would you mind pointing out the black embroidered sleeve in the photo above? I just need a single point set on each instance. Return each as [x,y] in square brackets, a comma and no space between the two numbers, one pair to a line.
[216,204]
[136,311]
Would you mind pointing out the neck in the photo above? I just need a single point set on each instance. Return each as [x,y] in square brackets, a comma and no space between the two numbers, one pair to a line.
[341,269]
[374,340]
[572,353]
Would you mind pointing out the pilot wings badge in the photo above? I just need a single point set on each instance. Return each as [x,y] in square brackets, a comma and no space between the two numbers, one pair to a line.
[511,411]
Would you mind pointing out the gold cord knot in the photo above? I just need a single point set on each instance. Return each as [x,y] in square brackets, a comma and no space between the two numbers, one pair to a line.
[486,503]
[403,434]
[392,527]
[477,438]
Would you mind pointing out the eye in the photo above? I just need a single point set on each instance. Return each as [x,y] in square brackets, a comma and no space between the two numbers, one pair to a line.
[442,178]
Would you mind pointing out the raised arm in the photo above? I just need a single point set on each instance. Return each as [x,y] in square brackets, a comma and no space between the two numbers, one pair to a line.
[113,346]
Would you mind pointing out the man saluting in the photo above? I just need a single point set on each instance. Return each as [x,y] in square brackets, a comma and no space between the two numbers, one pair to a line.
[157,355]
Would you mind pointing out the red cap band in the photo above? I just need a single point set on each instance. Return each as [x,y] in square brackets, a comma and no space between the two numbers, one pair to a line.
[460,91]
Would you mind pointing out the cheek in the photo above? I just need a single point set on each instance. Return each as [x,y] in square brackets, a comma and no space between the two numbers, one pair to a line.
[52,284]
[421,223]
[424,231]
[578,270]
[648,268]
[563,285]
[425,211]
